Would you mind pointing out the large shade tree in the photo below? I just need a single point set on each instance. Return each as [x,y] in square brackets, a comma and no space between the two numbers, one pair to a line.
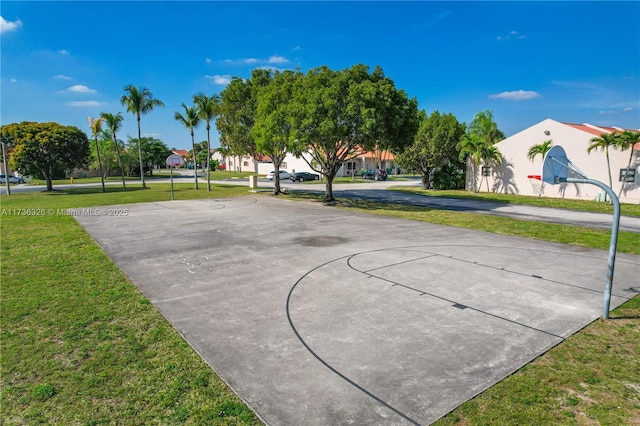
[95,124]
[207,107]
[339,114]
[237,114]
[139,101]
[434,148]
[273,131]
[45,148]
[190,120]
[114,123]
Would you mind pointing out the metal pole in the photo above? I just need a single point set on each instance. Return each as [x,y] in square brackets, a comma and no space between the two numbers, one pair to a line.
[171,177]
[614,238]
[6,171]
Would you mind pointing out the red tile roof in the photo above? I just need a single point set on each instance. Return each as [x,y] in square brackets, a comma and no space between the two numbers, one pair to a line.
[181,152]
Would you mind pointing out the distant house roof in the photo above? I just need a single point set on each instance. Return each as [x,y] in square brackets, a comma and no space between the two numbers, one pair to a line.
[181,152]
[598,130]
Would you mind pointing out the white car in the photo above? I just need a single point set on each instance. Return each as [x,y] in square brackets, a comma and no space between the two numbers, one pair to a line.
[12,179]
[283,174]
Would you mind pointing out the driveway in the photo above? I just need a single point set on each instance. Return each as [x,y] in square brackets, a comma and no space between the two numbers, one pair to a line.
[319,316]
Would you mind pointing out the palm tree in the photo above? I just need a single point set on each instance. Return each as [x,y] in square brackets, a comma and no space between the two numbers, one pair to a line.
[627,140]
[540,149]
[471,146]
[207,107]
[114,122]
[490,154]
[190,120]
[96,127]
[604,142]
[139,101]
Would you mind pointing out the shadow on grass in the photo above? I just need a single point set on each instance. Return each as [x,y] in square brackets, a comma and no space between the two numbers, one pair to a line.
[94,190]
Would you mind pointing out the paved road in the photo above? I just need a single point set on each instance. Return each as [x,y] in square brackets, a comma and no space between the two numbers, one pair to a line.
[378,191]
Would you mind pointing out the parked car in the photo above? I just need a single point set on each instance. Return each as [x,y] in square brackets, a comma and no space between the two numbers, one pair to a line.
[12,179]
[375,174]
[302,176]
[283,174]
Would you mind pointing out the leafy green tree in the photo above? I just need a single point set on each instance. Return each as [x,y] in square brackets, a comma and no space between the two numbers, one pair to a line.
[154,153]
[339,114]
[273,130]
[96,127]
[201,152]
[45,148]
[236,118]
[434,148]
[604,142]
[139,101]
[485,128]
[114,123]
[470,147]
[627,140]
[208,107]
[190,120]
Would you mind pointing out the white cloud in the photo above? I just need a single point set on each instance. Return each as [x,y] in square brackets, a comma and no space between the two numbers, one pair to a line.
[62,77]
[63,52]
[627,109]
[516,95]
[85,103]
[8,26]
[276,59]
[273,59]
[208,60]
[297,49]
[219,79]
[13,80]
[513,35]
[79,88]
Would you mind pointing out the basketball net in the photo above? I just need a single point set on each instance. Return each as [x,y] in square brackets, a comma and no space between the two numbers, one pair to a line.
[536,184]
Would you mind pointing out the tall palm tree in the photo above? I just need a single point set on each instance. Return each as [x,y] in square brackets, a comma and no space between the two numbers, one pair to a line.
[627,140]
[114,122]
[190,120]
[96,127]
[207,107]
[139,101]
[604,142]
[540,149]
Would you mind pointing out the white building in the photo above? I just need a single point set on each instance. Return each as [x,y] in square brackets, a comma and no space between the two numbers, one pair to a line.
[512,175]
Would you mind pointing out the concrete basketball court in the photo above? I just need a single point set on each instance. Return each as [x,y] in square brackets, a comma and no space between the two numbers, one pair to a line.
[319,316]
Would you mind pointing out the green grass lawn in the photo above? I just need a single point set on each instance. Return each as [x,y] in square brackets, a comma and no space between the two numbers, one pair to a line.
[81,345]
[157,174]
[584,205]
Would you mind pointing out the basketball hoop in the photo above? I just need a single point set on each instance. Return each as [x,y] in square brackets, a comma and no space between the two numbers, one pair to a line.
[536,184]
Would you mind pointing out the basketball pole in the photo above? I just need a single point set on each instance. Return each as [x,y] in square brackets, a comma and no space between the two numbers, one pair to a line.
[614,237]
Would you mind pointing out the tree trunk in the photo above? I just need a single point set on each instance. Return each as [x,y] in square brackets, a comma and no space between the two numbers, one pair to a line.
[208,158]
[100,165]
[47,178]
[628,167]
[609,168]
[124,187]
[140,154]
[328,193]
[195,166]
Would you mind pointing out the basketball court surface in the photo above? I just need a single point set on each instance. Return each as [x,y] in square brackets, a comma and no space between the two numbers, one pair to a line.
[320,316]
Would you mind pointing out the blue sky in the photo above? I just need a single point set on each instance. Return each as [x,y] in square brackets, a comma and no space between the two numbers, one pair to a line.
[526,61]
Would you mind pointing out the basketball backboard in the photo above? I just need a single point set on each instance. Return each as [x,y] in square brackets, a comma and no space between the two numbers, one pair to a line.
[555,165]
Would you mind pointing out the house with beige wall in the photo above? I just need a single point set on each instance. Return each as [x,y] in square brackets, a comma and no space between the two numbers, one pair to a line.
[512,176]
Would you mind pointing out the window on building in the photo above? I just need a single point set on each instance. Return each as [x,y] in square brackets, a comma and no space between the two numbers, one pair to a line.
[246,164]
[284,164]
